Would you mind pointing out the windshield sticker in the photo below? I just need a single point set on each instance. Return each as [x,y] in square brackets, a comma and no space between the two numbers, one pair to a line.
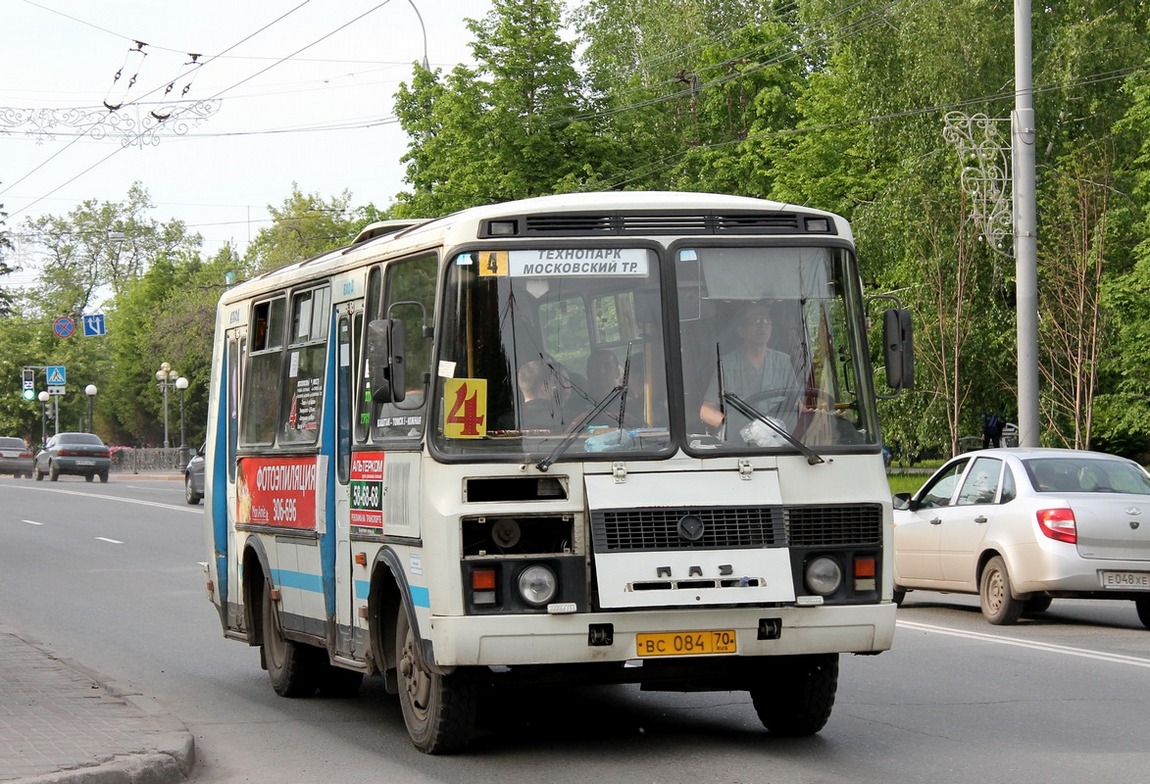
[466,403]
[576,262]
[493,262]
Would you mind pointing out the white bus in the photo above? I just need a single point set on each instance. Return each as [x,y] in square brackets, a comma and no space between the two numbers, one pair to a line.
[526,444]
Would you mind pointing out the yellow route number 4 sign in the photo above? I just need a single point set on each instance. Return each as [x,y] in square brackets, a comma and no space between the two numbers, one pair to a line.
[466,408]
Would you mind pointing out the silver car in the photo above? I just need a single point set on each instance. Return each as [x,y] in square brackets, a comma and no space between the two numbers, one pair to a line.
[15,457]
[194,478]
[1021,527]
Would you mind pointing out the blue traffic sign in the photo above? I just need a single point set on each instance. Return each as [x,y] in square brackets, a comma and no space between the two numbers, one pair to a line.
[57,375]
[94,325]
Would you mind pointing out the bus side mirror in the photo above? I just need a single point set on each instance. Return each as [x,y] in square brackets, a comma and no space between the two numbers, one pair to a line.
[898,348]
[385,360]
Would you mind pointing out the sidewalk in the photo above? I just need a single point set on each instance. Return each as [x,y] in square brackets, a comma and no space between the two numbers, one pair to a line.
[63,724]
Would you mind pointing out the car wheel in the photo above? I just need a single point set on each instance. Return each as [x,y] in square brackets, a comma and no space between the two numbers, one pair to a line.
[190,494]
[290,664]
[439,710]
[104,477]
[899,595]
[89,477]
[39,475]
[998,605]
[53,472]
[1142,605]
[796,697]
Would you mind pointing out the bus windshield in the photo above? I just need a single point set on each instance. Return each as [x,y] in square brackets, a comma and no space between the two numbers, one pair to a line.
[560,351]
[772,346]
[539,345]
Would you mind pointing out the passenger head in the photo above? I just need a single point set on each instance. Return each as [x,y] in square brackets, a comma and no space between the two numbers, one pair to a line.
[533,380]
[604,372]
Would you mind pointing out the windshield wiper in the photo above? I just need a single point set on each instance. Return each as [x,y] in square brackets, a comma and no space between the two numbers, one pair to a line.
[577,428]
[751,412]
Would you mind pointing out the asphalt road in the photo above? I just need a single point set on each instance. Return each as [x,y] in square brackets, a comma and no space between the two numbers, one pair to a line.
[109,575]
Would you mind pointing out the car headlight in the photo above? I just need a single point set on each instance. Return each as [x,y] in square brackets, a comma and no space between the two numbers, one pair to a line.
[538,585]
[823,575]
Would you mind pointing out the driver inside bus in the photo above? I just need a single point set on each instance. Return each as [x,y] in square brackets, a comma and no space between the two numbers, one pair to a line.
[750,369]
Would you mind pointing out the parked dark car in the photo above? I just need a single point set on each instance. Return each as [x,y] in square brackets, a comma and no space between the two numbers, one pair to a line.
[79,454]
[15,457]
[194,478]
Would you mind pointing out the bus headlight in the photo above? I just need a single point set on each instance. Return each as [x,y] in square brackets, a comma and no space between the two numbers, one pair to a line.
[538,585]
[823,575]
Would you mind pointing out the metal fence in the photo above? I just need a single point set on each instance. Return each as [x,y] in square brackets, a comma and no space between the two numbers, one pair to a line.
[134,461]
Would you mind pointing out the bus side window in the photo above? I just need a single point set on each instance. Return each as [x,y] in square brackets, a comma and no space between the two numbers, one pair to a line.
[259,411]
[410,299]
[307,354]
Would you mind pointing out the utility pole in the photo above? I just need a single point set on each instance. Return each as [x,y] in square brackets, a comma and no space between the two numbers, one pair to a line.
[1023,138]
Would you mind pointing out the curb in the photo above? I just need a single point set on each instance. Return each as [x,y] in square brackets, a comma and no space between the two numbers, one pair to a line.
[170,754]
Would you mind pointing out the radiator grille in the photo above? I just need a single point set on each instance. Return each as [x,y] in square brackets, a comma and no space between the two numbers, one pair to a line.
[636,530]
[834,526]
[658,529]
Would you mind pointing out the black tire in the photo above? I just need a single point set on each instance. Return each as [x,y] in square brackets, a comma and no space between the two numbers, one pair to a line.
[53,472]
[190,495]
[1036,605]
[1142,605]
[994,595]
[898,596]
[439,710]
[104,478]
[39,475]
[89,477]
[796,698]
[291,665]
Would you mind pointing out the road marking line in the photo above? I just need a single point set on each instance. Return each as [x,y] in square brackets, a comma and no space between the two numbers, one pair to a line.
[109,541]
[161,505]
[1065,650]
[31,522]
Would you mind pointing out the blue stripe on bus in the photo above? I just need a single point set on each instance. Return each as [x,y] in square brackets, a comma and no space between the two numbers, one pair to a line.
[420,596]
[286,578]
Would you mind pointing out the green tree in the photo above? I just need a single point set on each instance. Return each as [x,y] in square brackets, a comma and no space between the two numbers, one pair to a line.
[305,225]
[511,128]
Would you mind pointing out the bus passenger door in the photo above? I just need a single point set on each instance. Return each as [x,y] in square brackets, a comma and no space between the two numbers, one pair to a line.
[349,324]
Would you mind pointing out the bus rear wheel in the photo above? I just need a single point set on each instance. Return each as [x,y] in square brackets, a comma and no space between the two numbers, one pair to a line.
[291,665]
[796,697]
[439,710]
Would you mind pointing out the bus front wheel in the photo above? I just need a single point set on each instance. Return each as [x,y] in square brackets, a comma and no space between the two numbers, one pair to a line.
[797,696]
[439,710]
[291,665]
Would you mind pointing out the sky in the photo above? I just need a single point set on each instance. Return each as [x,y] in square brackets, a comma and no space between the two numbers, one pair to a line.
[282,92]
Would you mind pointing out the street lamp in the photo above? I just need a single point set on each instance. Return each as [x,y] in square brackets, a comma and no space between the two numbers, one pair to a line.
[90,391]
[182,385]
[43,398]
[166,378]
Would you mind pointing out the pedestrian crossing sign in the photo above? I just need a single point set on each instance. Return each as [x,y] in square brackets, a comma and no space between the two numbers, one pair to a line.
[56,375]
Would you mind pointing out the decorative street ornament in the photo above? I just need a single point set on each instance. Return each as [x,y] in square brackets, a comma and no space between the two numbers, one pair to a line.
[138,125]
[984,153]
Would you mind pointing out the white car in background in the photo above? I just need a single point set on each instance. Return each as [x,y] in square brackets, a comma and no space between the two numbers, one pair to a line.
[1021,527]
